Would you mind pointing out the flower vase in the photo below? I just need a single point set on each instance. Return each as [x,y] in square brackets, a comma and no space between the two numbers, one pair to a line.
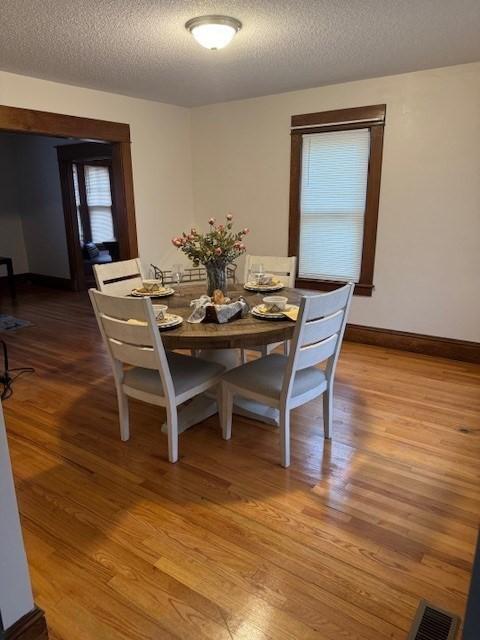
[216,277]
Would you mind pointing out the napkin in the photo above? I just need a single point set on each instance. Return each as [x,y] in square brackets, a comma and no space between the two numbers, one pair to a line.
[266,280]
[292,313]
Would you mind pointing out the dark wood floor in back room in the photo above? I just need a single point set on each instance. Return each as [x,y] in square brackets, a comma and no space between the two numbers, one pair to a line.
[227,544]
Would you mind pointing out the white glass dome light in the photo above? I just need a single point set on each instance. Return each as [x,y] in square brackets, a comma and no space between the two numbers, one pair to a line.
[213,32]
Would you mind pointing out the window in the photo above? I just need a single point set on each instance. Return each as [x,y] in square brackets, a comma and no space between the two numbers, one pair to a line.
[94,182]
[85,173]
[334,192]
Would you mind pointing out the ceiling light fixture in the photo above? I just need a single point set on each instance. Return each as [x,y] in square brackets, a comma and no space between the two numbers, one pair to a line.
[213,32]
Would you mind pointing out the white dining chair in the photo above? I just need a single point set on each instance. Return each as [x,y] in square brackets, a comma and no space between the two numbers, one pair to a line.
[118,278]
[155,376]
[287,382]
[284,269]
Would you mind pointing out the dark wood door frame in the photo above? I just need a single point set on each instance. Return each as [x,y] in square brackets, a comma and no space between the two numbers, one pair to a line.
[16,120]
[80,153]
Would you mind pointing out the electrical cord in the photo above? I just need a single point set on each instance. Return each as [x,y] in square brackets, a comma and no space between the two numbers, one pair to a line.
[7,380]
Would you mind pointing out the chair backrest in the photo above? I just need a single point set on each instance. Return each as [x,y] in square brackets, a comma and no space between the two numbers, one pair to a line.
[131,335]
[282,267]
[319,333]
[118,278]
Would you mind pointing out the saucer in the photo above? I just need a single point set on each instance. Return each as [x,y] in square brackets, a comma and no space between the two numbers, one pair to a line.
[259,312]
[263,288]
[160,293]
[169,321]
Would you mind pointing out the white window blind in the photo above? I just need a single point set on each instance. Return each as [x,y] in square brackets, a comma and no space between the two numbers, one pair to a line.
[99,202]
[332,204]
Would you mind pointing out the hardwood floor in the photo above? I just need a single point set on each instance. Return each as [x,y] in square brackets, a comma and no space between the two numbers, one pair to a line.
[227,544]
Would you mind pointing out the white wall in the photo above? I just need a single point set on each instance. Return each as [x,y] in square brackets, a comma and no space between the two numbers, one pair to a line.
[40,204]
[32,225]
[161,152]
[12,241]
[15,591]
[428,253]
[427,268]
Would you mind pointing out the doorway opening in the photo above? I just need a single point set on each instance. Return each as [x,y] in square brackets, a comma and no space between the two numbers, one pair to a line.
[94,189]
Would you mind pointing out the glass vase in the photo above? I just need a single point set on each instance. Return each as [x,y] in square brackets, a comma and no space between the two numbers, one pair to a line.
[216,277]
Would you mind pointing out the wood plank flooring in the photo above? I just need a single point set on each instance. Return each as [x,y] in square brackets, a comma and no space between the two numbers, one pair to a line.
[226,544]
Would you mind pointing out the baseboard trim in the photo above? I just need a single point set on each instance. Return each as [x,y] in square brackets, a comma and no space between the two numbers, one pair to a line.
[418,343]
[37,278]
[18,277]
[50,281]
[32,626]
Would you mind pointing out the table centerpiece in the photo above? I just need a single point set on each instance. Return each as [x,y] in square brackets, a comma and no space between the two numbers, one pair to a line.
[214,249]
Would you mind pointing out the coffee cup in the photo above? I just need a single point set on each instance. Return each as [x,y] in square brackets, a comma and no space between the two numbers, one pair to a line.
[159,311]
[275,303]
[151,285]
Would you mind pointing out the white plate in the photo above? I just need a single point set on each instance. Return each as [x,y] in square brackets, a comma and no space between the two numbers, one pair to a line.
[263,288]
[168,291]
[278,315]
[170,320]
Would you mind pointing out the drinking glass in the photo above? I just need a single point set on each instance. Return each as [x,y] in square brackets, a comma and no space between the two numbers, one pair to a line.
[256,270]
[177,272]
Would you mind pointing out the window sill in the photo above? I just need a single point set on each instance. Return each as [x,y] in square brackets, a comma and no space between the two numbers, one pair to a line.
[328,285]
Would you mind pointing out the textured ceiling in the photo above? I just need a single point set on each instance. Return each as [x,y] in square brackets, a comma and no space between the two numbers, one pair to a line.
[140,47]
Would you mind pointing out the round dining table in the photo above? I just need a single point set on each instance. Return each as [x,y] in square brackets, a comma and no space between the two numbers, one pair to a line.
[238,334]
[222,343]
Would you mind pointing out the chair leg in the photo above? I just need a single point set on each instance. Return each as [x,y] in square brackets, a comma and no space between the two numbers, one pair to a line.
[123,415]
[243,356]
[328,412]
[285,436]
[226,410]
[286,347]
[172,426]
[220,404]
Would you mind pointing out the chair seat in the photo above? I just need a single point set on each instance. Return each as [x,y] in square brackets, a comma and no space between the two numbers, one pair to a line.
[187,372]
[265,376]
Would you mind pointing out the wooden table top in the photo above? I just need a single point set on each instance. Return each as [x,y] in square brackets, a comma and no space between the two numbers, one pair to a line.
[246,332]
